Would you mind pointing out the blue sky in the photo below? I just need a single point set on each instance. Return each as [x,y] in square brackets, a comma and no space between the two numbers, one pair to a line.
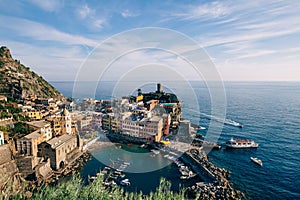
[246,40]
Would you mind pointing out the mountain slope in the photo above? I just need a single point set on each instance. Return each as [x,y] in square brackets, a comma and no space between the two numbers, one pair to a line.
[17,81]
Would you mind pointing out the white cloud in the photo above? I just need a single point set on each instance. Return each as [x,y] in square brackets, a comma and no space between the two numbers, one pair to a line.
[127,13]
[38,31]
[204,11]
[48,5]
[51,62]
[84,11]
[99,23]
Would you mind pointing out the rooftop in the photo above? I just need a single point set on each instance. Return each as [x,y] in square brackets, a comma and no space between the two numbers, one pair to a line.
[155,119]
[57,141]
[38,124]
[33,135]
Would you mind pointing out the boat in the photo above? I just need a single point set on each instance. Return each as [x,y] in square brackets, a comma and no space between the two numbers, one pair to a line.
[155,151]
[256,160]
[240,143]
[184,177]
[201,128]
[126,163]
[125,182]
[233,123]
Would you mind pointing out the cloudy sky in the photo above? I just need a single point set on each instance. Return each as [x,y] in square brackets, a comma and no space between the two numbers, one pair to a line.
[246,40]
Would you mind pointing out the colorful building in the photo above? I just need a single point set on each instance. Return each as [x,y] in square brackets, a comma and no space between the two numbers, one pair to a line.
[37,115]
[61,124]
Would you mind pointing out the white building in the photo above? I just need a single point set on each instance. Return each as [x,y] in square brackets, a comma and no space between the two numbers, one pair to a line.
[44,127]
[1,138]
[147,128]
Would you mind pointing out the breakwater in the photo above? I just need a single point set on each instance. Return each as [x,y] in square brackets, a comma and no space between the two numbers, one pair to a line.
[216,184]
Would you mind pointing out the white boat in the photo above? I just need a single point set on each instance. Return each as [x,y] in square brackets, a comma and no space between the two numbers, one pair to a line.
[126,163]
[201,128]
[125,182]
[239,143]
[233,123]
[256,160]
[155,151]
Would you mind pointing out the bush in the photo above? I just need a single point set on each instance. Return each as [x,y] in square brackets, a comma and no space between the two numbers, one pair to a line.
[74,189]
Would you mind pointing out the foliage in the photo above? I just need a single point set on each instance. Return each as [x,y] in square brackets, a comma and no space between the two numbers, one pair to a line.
[74,189]
[4,114]
[4,128]
[21,129]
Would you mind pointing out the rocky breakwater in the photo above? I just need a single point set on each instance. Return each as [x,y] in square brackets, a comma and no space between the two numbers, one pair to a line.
[216,185]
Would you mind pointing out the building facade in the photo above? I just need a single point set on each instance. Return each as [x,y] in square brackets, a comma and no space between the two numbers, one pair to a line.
[61,150]
[148,128]
[44,127]
[28,145]
[110,122]
[61,124]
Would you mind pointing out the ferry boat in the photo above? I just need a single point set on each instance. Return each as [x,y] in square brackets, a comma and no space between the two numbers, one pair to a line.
[256,160]
[239,143]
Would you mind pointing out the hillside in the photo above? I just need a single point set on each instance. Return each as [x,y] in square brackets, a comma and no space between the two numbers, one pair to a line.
[18,81]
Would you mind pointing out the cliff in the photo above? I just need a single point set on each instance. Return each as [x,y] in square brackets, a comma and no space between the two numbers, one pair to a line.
[18,81]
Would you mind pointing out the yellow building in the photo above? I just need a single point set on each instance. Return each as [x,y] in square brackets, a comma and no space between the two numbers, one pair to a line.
[61,124]
[139,98]
[37,115]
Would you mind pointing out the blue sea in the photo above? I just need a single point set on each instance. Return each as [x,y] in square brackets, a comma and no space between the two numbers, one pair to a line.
[270,114]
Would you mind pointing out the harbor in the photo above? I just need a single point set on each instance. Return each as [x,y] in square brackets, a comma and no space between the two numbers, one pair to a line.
[190,168]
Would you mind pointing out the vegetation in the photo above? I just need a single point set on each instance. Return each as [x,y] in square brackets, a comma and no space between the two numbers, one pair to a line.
[74,189]
[20,129]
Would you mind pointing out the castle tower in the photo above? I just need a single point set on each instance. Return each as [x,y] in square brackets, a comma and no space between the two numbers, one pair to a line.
[159,88]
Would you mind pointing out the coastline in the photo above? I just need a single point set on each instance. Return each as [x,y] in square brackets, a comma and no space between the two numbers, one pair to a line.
[216,183]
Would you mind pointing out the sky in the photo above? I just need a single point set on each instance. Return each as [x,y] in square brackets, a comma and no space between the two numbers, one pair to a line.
[246,40]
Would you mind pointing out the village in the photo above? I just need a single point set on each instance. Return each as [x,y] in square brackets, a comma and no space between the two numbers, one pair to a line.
[44,142]
[49,134]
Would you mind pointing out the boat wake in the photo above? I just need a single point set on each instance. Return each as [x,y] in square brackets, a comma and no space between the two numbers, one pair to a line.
[225,121]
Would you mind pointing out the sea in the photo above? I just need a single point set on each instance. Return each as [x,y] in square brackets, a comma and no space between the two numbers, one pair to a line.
[268,111]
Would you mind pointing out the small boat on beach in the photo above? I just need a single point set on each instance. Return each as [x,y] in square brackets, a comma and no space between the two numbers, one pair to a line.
[256,160]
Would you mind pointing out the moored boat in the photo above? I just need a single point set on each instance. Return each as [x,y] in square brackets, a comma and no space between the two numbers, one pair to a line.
[240,143]
[125,182]
[155,151]
[256,160]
